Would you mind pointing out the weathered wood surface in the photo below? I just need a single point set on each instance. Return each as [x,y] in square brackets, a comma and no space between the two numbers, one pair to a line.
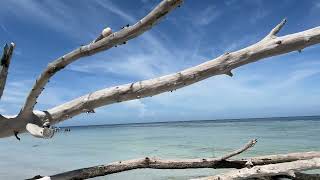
[12,125]
[157,163]
[270,45]
[102,44]
[287,169]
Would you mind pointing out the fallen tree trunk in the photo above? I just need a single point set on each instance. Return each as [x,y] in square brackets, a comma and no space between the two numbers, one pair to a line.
[287,169]
[157,163]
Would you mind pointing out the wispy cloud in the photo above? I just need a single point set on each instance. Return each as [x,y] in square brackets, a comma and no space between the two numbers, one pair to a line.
[260,11]
[148,58]
[4,29]
[108,5]
[207,16]
[56,15]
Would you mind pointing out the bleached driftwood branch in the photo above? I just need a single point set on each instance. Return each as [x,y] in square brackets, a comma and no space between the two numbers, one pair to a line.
[267,47]
[154,163]
[271,45]
[40,120]
[157,163]
[100,44]
[287,169]
[247,146]
[5,63]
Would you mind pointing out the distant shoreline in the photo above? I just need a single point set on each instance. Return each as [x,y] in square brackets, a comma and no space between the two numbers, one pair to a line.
[262,119]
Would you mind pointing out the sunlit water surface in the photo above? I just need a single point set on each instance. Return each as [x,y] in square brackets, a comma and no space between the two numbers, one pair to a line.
[94,145]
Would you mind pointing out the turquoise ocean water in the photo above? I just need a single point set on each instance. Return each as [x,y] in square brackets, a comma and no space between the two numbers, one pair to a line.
[94,145]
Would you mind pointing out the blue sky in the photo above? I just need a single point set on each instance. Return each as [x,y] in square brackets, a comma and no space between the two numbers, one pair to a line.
[286,85]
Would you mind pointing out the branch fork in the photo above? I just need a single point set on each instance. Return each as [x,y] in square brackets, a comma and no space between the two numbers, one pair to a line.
[271,45]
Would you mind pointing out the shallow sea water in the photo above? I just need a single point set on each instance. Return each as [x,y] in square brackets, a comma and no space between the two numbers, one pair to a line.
[94,145]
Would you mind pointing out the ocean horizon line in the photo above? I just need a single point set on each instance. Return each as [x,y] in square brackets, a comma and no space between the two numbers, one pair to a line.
[226,120]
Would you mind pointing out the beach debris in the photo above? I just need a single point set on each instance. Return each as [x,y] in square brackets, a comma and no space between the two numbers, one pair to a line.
[40,132]
[267,167]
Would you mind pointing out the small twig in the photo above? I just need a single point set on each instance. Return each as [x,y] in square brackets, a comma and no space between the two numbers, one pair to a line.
[276,29]
[247,146]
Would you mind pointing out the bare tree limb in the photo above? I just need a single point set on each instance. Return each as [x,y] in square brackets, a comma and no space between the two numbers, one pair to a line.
[5,63]
[156,163]
[222,65]
[247,146]
[267,47]
[101,44]
[277,29]
[287,169]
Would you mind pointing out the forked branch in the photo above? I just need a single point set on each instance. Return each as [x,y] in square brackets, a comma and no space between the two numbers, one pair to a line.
[277,29]
[100,44]
[247,146]
[156,163]
[153,163]
[222,65]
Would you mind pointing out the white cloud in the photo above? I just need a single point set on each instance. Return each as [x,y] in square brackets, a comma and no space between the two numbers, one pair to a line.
[140,107]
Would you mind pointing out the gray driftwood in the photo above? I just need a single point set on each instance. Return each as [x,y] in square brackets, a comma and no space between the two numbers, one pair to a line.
[287,169]
[157,163]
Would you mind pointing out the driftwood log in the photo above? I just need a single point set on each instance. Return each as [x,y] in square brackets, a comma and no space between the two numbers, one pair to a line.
[282,169]
[262,166]
[40,121]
